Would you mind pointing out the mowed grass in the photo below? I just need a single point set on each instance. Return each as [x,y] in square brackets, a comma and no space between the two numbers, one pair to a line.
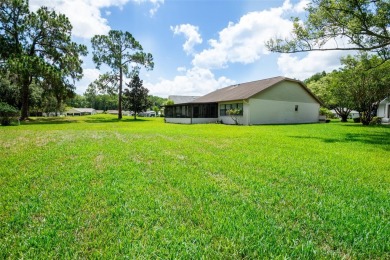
[96,187]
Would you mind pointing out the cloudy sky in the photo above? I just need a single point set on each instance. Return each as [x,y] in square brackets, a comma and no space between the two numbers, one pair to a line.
[197,45]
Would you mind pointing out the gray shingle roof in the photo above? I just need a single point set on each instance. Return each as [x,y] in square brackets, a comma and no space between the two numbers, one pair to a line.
[245,90]
[182,99]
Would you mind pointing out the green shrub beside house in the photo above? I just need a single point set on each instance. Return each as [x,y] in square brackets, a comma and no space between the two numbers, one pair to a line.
[7,114]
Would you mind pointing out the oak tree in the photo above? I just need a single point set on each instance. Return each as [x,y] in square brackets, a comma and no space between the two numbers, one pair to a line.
[363,24]
[37,48]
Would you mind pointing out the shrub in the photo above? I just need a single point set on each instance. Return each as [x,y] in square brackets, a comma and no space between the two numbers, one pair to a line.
[326,112]
[356,120]
[7,113]
[376,120]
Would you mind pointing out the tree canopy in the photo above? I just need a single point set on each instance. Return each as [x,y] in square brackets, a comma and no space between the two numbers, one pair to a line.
[123,54]
[364,24]
[36,48]
[362,82]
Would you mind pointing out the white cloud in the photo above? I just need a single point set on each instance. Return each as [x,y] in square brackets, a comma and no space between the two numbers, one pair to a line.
[301,6]
[192,35]
[293,65]
[89,76]
[244,42]
[86,15]
[195,82]
[313,62]
[181,69]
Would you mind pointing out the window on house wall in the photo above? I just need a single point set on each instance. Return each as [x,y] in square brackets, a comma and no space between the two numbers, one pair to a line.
[296,107]
[223,108]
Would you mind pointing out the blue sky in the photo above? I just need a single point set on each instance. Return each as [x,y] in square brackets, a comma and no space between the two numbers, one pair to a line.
[198,46]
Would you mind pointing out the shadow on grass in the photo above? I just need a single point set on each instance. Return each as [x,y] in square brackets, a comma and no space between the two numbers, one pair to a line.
[69,120]
[47,121]
[377,139]
[113,120]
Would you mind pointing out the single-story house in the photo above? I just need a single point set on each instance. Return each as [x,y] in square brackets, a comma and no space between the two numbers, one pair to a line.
[277,100]
[81,111]
[384,110]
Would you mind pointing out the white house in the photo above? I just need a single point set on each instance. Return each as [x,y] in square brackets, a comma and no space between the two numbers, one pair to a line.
[384,110]
[353,114]
[278,100]
[81,111]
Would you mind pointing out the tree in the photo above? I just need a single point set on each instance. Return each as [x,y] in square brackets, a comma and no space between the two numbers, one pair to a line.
[156,109]
[334,93]
[367,79]
[37,48]
[137,97]
[120,51]
[365,24]
[7,113]
[360,84]
[9,92]
[234,113]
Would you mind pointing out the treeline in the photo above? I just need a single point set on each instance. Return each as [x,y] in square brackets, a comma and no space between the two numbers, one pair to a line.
[40,64]
[109,102]
[360,84]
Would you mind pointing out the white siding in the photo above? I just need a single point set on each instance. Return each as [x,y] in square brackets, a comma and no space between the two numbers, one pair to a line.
[383,109]
[277,104]
[282,112]
[178,120]
[191,121]
[204,120]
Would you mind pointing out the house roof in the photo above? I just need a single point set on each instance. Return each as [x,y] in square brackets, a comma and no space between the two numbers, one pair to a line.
[182,99]
[246,90]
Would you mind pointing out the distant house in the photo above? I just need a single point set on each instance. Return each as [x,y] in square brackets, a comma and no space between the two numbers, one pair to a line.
[278,100]
[384,110]
[147,114]
[80,111]
[115,112]
[353,114]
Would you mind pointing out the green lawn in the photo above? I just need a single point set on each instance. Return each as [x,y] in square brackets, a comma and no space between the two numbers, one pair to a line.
[96,187]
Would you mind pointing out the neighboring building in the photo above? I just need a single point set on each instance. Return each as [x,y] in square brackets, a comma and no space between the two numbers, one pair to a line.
[182,99]
[115,112]
[147,114]
[276,100]
[384,110]
[81,111]
[353,114]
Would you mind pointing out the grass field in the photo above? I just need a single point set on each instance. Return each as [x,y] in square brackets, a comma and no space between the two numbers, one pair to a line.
[96,187]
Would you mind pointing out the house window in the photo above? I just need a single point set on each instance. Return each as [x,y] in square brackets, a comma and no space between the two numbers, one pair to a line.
[296,107]
[223,108]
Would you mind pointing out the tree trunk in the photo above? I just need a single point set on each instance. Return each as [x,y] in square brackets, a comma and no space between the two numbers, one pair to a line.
[344,118]
[120,94]
[366,118]
[25,96]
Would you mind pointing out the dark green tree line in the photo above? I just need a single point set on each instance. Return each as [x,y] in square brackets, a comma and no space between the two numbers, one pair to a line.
[36,49]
